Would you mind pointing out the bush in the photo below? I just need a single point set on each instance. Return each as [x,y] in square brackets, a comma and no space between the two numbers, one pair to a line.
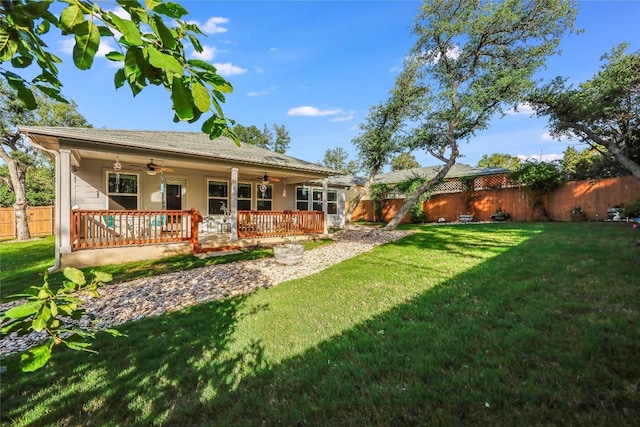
[631,209]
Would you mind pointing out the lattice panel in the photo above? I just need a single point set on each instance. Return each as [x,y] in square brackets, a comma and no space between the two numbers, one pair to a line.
[453,186]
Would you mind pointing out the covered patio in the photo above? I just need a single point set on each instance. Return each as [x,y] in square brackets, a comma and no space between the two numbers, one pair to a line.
[119,189]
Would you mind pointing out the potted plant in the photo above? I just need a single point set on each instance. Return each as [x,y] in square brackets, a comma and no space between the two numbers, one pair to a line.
[288,253]
[578,214]
[499,215]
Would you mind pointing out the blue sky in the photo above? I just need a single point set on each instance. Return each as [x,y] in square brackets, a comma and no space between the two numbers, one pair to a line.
[317,67]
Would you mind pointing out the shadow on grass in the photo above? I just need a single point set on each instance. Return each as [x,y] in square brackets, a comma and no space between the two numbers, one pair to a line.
[516,340]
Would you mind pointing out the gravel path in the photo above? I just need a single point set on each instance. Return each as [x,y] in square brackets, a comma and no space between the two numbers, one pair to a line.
[153,296]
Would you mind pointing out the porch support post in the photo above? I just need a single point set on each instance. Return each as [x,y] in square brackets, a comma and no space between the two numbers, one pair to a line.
[234,204]
[65,201]
[325,204]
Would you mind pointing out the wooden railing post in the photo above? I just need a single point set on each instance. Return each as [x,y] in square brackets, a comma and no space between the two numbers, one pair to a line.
[196,219]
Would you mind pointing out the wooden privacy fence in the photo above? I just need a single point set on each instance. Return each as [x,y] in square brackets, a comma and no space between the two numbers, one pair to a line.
[594,196]
[41,221]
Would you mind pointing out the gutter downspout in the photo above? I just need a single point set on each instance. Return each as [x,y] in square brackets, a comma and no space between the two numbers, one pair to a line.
[56,156]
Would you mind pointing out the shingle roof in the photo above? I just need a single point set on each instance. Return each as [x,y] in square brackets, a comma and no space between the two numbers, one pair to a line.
[457,170]
[190,143]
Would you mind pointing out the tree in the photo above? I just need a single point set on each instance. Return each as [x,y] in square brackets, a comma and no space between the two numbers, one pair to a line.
[382,134]
[404,161]
[476,58]
[497,160]
[265,138]
[150,52]
[338,159]
[589,163]
[540,179]
[19,156]
[603,111]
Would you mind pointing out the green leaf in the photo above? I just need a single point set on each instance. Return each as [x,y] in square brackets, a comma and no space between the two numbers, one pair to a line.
[164,33]
[197,63]
[36,357]
[181,102]
[115,56]
[54,308]
[201,97]
[80,346]
[70,17]
[114,332]
[119,78]
[38,324]
[43,27]
[105,31]
[21,61]
[196,43]
[151,4]
[164,61]
[52,93]
[35,9]
[172,10]
[102,277]
[24,310]
[87,43]
[128,28]
[75,275]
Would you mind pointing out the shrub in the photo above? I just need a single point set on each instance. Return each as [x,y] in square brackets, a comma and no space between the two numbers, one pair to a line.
[631,209]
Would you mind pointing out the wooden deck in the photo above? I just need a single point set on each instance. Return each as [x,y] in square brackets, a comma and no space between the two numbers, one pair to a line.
[92,229]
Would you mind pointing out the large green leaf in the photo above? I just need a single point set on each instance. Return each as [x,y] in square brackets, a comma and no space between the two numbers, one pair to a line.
[75,275]
[181,101]
[164,61]
[70,17]
[173,10]
[8,44]
[35,9]
[197,63]
[101,276]
[24,93]
[24,310]
[163,32]
[36,357]
[201,97]
[128,28]
[87,43]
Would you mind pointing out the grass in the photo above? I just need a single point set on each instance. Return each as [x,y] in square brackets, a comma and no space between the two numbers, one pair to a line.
[23,264]
[496,324]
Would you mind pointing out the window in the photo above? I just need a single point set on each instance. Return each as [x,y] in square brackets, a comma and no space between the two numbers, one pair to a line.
[218,195]
[302,198]
[317,199]
[122,191]
[332,202]
[244,197]
[264,196]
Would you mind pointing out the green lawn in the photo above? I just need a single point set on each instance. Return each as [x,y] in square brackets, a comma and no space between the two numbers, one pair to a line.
[496,324]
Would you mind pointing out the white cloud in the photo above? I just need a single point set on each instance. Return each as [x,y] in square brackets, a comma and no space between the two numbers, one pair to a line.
[521,109]
[228,69]
[273,49]
[262,92]
[342,119]
[66,45]
[309,111]
[213,25]
[207,54]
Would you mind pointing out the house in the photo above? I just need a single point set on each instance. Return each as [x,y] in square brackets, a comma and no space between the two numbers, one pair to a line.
[155,193]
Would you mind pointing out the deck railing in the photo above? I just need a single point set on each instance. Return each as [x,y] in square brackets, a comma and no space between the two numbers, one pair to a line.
[104,228]
[109,228]
[279,223]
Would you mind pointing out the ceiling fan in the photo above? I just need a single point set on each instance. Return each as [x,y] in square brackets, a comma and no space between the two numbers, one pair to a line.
[152,168]
[266,179]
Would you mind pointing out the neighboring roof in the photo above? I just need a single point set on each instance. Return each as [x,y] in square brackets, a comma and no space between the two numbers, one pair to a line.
[189,143]
[457,170]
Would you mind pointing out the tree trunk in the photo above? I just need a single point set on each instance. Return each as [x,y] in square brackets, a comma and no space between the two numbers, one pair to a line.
[17,175]
[395,221]
[356,200]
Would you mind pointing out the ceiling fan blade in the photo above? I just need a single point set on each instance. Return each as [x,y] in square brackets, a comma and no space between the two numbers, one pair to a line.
[164,169]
